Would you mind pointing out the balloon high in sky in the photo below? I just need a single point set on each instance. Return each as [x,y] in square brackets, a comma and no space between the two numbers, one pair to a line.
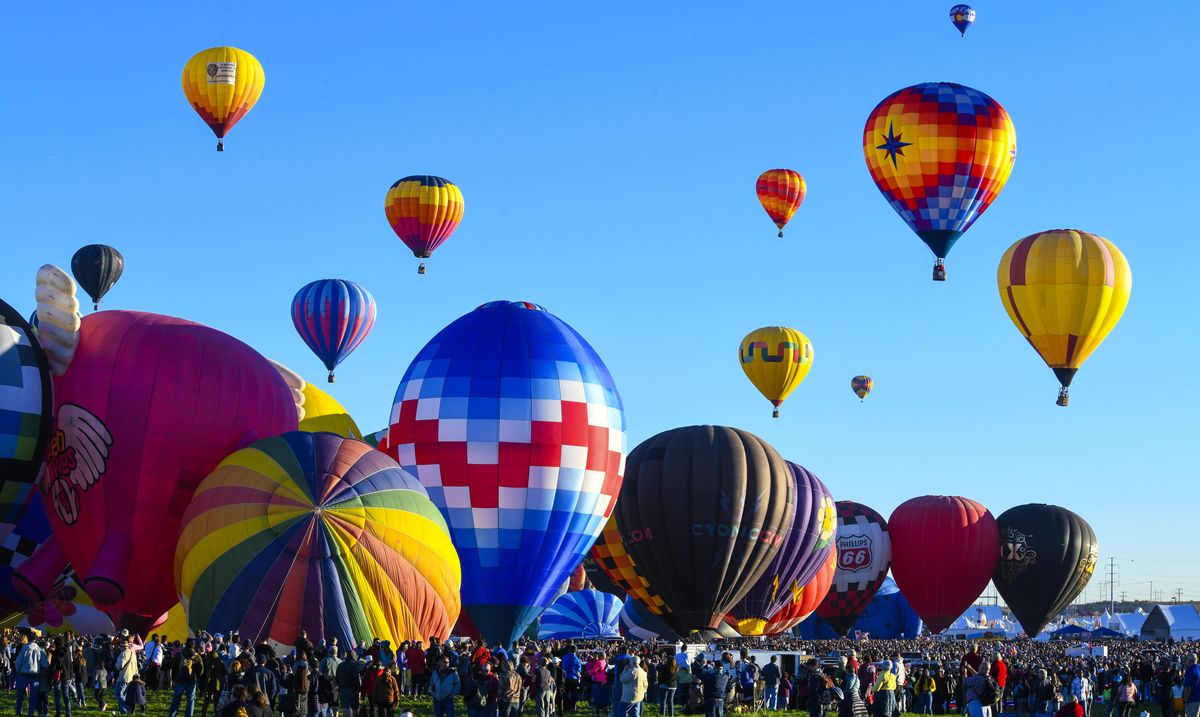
[962,16]
[97,267]
[775,359]
[781,192]
[333,316]
[222,84]
[424,211]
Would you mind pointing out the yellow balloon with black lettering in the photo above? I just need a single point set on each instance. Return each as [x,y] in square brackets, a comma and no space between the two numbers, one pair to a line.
[775,359]
[222,84]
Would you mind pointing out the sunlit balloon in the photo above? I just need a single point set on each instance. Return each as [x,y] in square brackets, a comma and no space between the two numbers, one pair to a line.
[864,549]
[775,359]
[322,412]
[222,84]
[333,316]
[781,192]
[424,211]
[862,385]
[317,532]
[962,16]
[940,153]
[58,317]
[97,267]
[804,599]
[584,614]
[612,569]
[25,411]
[1064,290]
[944,549]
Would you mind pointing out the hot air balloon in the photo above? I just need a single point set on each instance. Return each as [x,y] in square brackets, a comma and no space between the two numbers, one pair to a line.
[122,464]
[1064,290]
[1047,557]
[66,608]
[586,614]
[781,192]
[333,316]
[944,549]
[615,572]
[864,549]
[803,600]
[222,84]
[515,427]
[703,512]
[317,532]
[888,617]
[940,153]
[25,409]
[578,580]
[58,317]
[323,413]
[805,549]
[775,359]
[97,267]
[424,211]
[962,16]
[638,623]
[861,385]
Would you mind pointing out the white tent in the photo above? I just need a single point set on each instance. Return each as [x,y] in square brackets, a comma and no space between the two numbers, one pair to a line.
[1129,623]
[1181,622]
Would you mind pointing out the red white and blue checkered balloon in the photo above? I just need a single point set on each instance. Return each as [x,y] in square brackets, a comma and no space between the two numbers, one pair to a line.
[514,426]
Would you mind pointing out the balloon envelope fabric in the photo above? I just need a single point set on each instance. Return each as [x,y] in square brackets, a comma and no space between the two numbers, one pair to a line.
[581,615]
[25,411]
[513,424]
[318,532]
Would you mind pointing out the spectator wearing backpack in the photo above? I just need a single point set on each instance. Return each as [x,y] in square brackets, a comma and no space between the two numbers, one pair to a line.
[483,692]
[213,681]
[511,684]
[444,686]
[977,693]
[186,671]
[237,705]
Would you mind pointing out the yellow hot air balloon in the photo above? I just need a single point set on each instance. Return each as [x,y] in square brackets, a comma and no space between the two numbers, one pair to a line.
[322,412]
[776,359]
[1065,290]
[222,83]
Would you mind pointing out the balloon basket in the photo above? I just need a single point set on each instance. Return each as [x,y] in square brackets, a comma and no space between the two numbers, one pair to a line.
[331,377]
[939,271]
[1064,398]
[96,306]
[220,146]
[775,413]
[780,233]
[421,268]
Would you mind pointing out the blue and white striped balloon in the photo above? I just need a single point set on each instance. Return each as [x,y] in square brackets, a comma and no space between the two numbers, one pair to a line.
[582,614]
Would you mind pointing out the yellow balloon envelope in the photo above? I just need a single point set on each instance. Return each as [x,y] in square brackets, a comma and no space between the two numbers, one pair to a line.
[322,412]
[776,359]
[1064,290]
[222,84]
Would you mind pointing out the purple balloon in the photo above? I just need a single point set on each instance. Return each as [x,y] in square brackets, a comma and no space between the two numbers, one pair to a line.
[805,549]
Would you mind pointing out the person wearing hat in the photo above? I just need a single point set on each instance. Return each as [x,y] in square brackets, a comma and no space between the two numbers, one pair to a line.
[126,669]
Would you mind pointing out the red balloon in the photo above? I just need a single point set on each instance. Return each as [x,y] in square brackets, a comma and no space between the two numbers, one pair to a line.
[944,550]
[149,406]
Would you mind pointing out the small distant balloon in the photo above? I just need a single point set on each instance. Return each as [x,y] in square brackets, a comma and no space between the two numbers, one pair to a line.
[781,192]
[333,316]
[424,211]
[862,385]
[97,267]
[962,16]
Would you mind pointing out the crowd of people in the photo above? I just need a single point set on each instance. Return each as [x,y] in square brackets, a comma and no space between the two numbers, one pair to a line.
[234,677]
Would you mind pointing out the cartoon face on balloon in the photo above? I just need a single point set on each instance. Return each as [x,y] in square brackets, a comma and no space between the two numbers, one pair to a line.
[75,460]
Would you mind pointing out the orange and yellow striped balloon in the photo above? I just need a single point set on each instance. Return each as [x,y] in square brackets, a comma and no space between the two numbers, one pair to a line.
[1064,290]
[775,359]
[424,211]
[781,192]
[222,83]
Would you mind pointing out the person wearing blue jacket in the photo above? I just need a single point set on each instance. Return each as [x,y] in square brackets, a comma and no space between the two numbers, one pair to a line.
[572,669]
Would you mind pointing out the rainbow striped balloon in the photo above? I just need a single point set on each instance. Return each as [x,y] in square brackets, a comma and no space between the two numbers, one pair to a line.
[333,316]
[781,191]
[318,532]
[424,211]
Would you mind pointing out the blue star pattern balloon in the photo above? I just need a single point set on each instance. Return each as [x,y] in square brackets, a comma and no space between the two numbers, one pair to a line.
[586,614]
[515,428]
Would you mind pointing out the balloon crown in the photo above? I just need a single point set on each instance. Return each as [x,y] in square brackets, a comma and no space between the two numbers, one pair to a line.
[502,303]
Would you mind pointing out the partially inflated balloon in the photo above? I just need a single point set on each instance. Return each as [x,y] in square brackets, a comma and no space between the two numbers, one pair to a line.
[944,550]
[585,614]
[781,191]
[578,580]
[775,359]
[149,406]
[638,623]
[317,532]
[514,425]
[25,409]
[864,549]
[424,211]
[962,16]
[862,385]
[704,511]
[333,316]
[58,317]
[1047,557]
[322,412]
[97,267]
[940,153]
[222,84]
[804,600]
[1064,290]
[614,571]
[806,547]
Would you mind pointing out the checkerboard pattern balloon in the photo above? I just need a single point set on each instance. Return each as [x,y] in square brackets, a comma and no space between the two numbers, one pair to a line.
[513,424]
[864,548]
[24,411]
[940,153]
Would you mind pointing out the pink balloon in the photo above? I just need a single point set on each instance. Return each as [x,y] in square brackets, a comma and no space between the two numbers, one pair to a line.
[149,407]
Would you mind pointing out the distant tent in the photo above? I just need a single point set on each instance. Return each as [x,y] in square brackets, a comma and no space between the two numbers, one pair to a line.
[1129,623]
[1070,631]
[1103,632]
[1181,622]
[888,617]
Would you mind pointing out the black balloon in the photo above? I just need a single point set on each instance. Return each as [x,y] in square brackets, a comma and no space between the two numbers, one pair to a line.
[1047,557]
[97,267]
[702,512]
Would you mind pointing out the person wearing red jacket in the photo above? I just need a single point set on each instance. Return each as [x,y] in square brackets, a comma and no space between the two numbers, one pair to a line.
[999,673]
[416,666]
[1070,708]
[481,655]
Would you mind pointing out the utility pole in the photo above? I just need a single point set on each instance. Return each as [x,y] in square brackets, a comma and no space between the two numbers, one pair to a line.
[1178,594]
[1112,581]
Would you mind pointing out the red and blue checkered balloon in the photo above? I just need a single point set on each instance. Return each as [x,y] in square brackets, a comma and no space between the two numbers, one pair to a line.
[333,316]
[515,428]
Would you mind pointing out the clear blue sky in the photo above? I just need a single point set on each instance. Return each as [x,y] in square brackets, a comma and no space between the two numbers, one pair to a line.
[608,153]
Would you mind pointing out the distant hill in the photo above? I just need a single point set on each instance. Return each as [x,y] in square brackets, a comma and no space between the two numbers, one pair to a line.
[1098,608]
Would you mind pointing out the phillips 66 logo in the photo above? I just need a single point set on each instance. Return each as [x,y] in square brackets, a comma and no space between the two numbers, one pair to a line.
[854,552]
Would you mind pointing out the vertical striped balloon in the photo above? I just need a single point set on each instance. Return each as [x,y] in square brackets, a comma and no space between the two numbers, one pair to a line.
[781,191]
[333,316]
